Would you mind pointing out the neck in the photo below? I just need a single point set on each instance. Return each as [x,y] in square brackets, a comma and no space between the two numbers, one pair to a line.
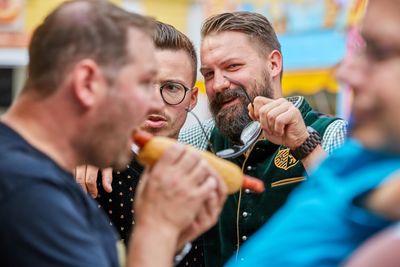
[42,123]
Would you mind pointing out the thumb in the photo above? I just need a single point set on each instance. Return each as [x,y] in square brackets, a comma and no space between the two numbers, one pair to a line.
[251,112]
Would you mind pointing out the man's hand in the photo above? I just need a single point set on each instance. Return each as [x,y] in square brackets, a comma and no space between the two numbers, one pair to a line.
[280,120]
[177,188]
[385,199]
[207,216]
[173,202]
[86,176]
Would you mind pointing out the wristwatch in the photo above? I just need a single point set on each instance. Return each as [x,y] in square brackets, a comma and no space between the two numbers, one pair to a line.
[312,141]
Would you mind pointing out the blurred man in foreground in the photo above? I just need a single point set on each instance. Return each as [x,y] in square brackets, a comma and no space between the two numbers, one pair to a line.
[90,86]
[326,219]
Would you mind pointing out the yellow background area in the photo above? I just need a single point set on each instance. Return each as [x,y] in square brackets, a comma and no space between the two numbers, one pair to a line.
[171,12]
[309,81]
[305,82]
[37,10]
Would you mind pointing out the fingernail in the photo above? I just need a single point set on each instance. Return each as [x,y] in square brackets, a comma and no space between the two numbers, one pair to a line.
[214,182]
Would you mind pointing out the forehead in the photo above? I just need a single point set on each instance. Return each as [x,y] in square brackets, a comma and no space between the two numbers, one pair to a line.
[227,43]
[381,21]
[141,50]
[174,64]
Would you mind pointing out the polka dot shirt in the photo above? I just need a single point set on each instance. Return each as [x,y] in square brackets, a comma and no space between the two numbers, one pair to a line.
[119,207]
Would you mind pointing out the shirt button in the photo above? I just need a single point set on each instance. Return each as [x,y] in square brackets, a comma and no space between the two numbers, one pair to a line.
[244,238]
[247,191]
[249,168]
[245,214]
[241,259]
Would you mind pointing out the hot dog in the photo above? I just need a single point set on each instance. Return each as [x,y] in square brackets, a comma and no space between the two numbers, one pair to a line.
[152,147]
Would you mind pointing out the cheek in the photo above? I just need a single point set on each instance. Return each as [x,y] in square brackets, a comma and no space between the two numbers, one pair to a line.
[209,91]
[137,106]
[177,116]
[209,85]
[386,88]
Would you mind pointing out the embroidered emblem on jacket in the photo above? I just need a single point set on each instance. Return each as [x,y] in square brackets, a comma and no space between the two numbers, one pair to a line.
[285,160]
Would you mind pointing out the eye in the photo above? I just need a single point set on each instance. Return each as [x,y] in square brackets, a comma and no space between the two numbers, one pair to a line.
[208,75]
[376,52]
[172,87]
[233,67]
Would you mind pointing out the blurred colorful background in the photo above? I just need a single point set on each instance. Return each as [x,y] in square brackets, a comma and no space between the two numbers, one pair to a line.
[313,34]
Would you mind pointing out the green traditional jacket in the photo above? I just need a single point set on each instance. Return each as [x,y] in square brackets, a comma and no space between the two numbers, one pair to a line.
[245,212]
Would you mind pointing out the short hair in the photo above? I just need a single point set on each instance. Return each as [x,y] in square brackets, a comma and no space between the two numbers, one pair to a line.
[255,25]
[168,37]
[81,29]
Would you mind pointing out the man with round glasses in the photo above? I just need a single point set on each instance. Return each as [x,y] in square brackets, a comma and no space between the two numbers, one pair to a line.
[176,77]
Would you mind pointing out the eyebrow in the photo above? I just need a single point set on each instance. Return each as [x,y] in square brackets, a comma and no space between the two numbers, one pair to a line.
[204,69]
[175,81]
[223,62]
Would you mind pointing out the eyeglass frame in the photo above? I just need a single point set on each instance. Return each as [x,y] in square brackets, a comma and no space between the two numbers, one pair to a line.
[177,83]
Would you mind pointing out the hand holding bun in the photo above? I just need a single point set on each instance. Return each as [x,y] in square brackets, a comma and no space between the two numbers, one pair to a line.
[152,147]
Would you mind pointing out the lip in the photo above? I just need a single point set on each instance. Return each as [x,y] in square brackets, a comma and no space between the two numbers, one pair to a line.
[230,102]
[156,121]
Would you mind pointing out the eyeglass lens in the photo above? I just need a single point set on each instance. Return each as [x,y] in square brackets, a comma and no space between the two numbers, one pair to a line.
[173,93]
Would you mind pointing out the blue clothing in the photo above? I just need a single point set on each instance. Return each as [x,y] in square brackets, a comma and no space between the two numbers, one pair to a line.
[323,220]
[46,218]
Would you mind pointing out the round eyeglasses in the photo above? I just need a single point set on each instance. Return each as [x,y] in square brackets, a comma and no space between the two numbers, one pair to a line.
[173,93]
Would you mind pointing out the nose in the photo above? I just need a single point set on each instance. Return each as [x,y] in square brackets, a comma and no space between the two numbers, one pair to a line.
[220,83]
[156,101]
[352,70]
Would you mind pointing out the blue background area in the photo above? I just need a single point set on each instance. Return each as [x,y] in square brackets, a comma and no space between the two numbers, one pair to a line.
[307,44]
[312,50]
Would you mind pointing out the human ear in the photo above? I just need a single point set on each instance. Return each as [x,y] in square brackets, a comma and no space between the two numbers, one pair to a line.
[193,98]
[275,64]
[86,81]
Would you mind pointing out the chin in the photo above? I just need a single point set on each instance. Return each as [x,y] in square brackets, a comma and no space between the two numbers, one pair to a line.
[122,160]
[161,132]
[151,130]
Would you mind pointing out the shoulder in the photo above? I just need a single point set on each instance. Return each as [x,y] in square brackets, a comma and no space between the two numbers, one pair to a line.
[195,136]
[52,226]
[21,165]
[334,135]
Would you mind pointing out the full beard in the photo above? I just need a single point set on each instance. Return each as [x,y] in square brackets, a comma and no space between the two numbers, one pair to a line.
[231,120]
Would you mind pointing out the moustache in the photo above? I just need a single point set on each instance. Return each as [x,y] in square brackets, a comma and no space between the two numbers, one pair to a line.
[228,95]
